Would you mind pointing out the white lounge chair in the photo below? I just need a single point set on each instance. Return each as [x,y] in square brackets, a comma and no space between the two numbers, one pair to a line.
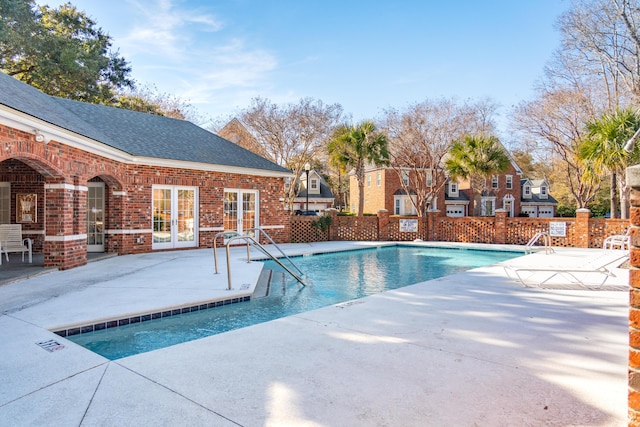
[618,241]
[11,241]
[599,266]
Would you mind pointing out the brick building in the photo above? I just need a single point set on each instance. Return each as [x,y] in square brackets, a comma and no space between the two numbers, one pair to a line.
[113,180]
[383,189]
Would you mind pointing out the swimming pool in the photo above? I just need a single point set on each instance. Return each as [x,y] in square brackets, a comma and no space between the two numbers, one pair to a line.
[332,278]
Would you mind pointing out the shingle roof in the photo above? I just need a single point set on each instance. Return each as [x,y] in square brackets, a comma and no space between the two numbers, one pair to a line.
[138,134]
[535,199]
[325,191]
[461,197]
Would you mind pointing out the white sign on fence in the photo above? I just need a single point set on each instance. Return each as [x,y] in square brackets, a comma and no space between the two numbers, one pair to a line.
[558,229]
[409,225]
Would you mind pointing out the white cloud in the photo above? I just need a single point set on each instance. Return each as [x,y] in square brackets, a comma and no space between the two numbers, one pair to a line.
[219,80]
[162,28]
[235,65]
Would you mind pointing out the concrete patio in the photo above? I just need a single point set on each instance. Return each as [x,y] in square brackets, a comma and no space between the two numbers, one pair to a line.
[471,349]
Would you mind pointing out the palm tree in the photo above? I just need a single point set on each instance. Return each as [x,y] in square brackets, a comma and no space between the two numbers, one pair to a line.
[355,147]
[476,158]
[604,150]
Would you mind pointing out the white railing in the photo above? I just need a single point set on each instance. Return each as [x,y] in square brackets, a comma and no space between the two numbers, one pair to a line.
[546,240]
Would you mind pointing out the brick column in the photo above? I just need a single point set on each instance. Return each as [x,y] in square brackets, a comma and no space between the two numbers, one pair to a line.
[582,228]
[633,181]
[63,248]
[332,235]
[383,225]
[432,232]
[500,232]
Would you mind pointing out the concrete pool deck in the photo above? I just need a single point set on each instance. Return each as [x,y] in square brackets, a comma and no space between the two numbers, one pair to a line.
[470,349]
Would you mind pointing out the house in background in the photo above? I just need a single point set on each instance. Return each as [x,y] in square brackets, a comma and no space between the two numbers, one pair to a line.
[456,202]
[105,179]
[319,194]
[536,201]
[383,189]
[238,133]
[502,191]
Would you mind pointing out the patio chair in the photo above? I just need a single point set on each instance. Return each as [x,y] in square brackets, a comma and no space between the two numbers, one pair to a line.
[11,241]
[599,266]
[618,241]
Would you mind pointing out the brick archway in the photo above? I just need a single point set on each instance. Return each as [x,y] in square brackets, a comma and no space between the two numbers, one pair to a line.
[56,203]
[112,215]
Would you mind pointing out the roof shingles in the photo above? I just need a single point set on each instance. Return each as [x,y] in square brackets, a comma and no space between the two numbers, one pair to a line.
[135,133]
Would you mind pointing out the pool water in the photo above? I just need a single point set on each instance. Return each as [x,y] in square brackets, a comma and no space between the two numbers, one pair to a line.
[331,278]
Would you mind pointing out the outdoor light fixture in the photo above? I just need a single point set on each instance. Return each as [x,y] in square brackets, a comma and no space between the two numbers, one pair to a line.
[628,147]
[307,168]
[40,137]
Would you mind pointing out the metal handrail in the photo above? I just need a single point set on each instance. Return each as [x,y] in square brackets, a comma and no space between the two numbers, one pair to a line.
[277,247]
[546,238]
[248,240]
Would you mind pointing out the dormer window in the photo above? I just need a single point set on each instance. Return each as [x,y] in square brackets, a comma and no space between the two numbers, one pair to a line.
[543,192]
[526,191]
[453,189]
[314,183]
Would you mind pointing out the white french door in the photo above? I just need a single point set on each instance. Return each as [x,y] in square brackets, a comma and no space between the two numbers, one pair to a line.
[174,217]
[240,210]
[95,217]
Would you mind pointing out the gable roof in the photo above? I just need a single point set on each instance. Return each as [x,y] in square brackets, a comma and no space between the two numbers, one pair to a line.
[325,191]
[539,182]
[137,134]
[236,132]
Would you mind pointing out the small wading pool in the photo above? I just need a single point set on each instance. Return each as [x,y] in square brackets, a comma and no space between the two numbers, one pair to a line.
[332,278]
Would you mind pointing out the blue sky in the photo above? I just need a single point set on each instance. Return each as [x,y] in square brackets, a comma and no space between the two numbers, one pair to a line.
[367,56]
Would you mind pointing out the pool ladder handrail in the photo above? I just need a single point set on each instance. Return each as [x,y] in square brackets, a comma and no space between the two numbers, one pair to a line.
[275,245]
[250,241]
[546,238]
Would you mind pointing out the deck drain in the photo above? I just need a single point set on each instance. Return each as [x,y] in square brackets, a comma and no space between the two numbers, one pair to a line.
[51,345]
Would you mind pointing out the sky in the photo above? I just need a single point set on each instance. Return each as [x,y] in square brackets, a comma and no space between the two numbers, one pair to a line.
[368,56]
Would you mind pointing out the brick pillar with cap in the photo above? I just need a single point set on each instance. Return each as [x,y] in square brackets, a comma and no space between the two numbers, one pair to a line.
[633,181]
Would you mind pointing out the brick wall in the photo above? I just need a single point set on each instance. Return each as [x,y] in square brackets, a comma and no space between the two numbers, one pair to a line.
[304,231]
[580,232]
[633,180]
[59,174]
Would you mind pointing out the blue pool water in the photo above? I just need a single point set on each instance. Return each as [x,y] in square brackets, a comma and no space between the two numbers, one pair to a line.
[332,278]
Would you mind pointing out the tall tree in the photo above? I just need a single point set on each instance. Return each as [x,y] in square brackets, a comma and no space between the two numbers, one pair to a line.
[291,134]
[604,149]
[476,158]
[60,51]
[601,39]
[420,137]
[148,99]
[340,183]
[357,146]
[554,123]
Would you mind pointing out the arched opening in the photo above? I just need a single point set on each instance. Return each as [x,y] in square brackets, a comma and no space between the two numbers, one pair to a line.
[22,198]
[103,214]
